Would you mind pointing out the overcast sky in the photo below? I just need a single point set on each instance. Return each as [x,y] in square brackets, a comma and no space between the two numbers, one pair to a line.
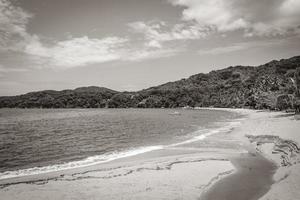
[135,44]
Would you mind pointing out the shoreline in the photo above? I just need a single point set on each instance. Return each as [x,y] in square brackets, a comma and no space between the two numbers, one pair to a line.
[190,171]
[109,157]
[274,137]
[251,180]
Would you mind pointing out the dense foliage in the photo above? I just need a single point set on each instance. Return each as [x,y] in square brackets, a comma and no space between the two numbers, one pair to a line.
[274,85]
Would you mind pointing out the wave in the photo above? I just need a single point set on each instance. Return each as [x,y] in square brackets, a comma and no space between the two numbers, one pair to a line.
[93,160]
[203,133]
[99,159]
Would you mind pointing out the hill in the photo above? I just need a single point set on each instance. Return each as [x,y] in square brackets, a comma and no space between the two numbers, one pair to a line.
[83,97]
[269,86]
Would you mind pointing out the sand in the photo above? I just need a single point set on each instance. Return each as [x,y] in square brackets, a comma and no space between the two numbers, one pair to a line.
[252,179]
[225,165]
[168,177]
[283,150]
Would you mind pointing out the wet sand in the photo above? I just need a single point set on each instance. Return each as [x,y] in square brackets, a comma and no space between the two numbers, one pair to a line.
[253,178]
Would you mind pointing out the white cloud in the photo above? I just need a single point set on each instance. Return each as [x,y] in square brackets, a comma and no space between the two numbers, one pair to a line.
[238,47]
[78,51]
[154,44]
[158,32]
[255,17]
[146,53]
[13,22]
[82,51]
[4,70]
[222,50]
[155,31]
[72,52]
[64,54]
[201,17]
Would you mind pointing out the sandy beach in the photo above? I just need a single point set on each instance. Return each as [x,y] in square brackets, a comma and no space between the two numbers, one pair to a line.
[257,159]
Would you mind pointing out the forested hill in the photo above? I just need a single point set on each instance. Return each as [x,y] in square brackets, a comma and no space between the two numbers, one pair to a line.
[273,85]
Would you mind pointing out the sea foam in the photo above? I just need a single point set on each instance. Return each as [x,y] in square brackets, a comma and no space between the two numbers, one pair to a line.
[201,134]
[93,160]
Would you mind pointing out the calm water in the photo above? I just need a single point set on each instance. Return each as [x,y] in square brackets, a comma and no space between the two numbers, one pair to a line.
[35,140]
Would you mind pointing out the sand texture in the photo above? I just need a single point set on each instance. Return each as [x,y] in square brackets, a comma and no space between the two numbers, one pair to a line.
[173,177]
[277,136]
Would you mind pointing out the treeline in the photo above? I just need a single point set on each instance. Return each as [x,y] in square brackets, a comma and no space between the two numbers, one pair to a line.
[274,85]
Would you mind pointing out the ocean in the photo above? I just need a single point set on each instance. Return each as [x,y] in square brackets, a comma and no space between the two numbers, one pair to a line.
[34,141]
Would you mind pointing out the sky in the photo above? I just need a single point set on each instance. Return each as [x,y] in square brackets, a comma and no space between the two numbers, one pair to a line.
[128,45]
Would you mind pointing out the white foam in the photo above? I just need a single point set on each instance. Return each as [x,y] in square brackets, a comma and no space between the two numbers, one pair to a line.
[93,160]
[207,132]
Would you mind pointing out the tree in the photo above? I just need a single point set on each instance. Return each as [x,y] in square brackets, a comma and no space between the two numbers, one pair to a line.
[284,102]
[296,82]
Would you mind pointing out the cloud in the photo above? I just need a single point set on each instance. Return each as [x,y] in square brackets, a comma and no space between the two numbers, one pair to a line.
[64,54]
[222,50]
[4,70]
[158,32]
[254,17]
[146,53]
[84,50]
[72,52]
[154,44]
[13,22]
[238,47]
[201,18]
[78,51]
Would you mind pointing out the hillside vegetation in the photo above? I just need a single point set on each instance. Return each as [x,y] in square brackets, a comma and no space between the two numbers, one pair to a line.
[274,85]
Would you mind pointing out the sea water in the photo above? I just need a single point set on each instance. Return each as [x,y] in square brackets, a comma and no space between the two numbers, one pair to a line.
[34,141]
